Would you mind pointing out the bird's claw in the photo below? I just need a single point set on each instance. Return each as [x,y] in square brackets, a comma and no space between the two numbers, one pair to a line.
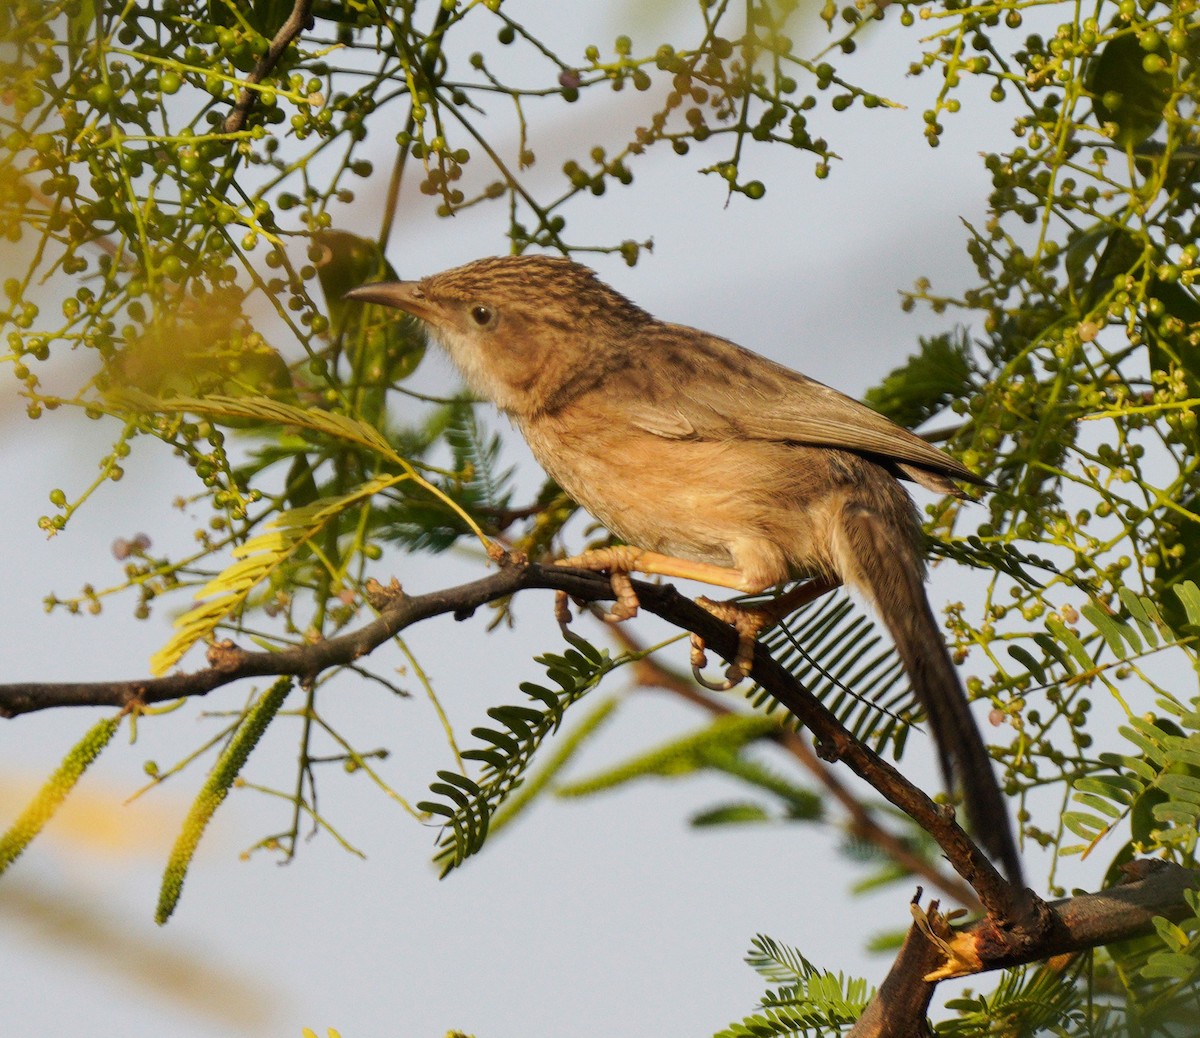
[617,561]
[626,605]
[749,623]
[562,609]
[733,675]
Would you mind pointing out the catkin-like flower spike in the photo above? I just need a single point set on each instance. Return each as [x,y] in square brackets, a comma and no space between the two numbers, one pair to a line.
[48,799]
[229,765]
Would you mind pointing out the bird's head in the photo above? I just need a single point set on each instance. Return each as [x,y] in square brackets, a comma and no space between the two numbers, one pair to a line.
[520,328]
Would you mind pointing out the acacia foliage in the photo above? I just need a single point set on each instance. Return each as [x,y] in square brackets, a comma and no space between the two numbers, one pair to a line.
[175,173]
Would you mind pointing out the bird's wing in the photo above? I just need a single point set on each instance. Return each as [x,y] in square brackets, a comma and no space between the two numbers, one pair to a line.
[746,401]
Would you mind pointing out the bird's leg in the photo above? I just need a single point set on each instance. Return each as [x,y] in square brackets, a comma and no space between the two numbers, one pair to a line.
[750,622]
[628,559]
[622,559]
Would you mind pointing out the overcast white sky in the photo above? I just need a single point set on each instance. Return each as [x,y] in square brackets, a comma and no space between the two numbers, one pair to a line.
[591,918]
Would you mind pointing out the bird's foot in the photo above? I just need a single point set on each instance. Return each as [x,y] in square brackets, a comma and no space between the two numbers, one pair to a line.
[749,622]
[618,562]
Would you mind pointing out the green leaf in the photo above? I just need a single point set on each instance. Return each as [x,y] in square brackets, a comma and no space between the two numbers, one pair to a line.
[1070,640]
[1175,579]
[474,803]
[927,382]
[1030,662]
[811,1001]
[731,814]
[1188,593]
[1126,94]
[1114,633]
[1145,614]
[833,648]
[1174,966]
[81,17]
[682,756]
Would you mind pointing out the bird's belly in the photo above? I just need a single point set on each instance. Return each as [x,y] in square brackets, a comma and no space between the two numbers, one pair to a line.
[701,500]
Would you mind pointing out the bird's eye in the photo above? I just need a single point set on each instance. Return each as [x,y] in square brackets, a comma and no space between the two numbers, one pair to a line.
[483,315]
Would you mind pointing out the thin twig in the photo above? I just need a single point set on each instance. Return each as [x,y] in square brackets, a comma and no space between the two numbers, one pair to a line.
[300,18]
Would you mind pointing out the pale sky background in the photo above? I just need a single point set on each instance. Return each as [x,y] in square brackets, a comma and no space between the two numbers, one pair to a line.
[591,918]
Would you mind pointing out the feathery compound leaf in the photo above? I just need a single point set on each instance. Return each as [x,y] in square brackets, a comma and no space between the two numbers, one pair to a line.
[1139,630]
[1158,789]
[229,765]
[506,758]
[925,383]
[257,559]
[531,787]
[778,963]
[49,798]
[275,412]
[974,551]
[1179,962]
[1026,999]
[475,457]
[812,1002]
[834,649]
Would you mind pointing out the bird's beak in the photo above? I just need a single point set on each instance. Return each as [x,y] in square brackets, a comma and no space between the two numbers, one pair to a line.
[400,295]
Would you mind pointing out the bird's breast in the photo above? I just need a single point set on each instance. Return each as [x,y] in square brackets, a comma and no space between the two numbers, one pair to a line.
[690,498]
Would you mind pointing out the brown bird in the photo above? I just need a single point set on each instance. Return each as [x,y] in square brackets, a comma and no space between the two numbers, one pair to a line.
[711,463]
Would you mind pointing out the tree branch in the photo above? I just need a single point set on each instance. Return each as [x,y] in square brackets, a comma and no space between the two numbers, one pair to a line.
[933,951]
[1007,907]
[862,823]
[300,18]
[228,663]
[1018,928]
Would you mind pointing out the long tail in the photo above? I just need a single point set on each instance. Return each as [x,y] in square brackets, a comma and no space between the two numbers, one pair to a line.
[879,554]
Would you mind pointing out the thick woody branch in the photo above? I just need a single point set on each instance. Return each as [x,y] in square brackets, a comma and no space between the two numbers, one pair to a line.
[933,951]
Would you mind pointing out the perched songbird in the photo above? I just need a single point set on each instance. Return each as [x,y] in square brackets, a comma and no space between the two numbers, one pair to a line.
[711,463]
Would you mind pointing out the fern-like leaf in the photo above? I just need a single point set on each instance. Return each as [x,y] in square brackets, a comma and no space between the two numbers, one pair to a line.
[467,806]
[833,648]
[1138,630]
[1156,788]
[996,556]
[476,453]
[476,486]
[225,595]
[1027,999]
[927,381]
[811,1003]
